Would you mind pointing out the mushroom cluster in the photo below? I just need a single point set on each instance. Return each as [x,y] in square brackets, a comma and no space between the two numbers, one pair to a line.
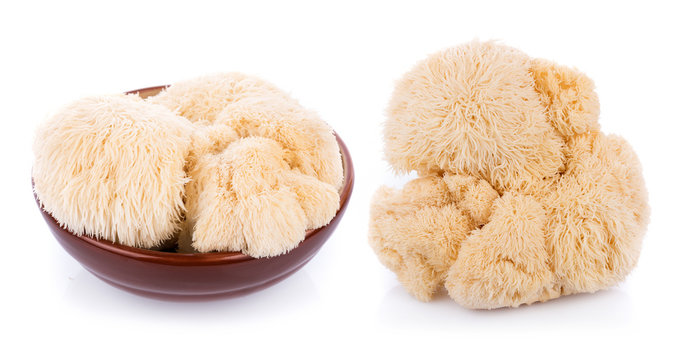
[521,197]
[226,162]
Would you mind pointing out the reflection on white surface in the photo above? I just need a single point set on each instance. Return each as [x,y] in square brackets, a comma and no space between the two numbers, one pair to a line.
[88,293]
[607,308]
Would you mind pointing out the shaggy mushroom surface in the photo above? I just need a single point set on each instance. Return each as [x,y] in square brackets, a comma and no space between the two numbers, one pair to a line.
[112,167]
[520,196]
[263,168]
[225,162]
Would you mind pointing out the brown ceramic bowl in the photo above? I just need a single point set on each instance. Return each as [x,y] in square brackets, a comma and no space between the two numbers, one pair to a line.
[169,275]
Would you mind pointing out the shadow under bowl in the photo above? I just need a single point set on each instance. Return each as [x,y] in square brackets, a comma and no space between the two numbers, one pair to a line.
[170,275]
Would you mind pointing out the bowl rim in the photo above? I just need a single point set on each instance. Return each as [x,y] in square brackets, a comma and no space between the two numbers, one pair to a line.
[212,257]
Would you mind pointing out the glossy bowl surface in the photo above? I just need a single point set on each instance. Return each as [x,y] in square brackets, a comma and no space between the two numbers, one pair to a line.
[167,274]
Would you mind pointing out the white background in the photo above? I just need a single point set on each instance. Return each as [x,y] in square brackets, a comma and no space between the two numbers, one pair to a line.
[341,60]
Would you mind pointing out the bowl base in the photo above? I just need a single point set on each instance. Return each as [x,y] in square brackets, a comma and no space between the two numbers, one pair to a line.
[199,297]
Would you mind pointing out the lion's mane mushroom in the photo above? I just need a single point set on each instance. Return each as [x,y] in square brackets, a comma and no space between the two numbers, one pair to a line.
[112,167]
[539,203]
[263,168]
